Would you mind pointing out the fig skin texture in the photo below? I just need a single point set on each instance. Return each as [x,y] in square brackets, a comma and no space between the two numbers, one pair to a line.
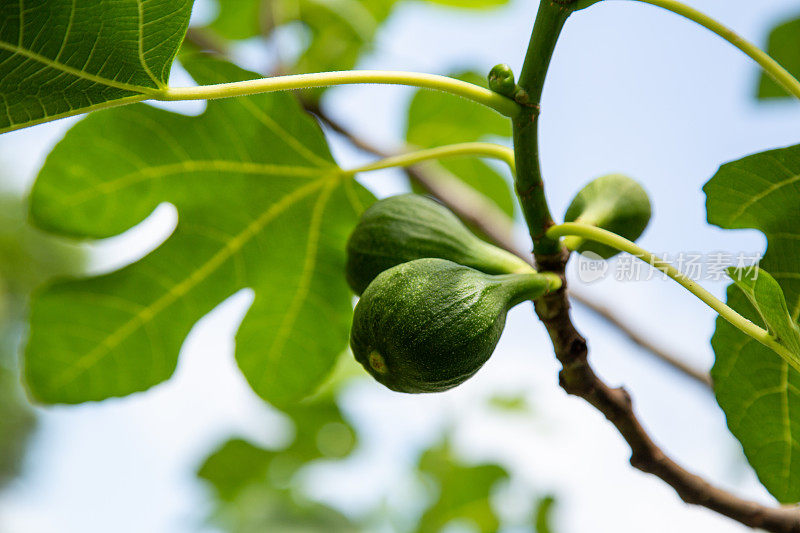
[430,324]
[402,228]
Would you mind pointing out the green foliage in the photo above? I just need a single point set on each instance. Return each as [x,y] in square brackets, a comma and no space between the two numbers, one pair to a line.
[435,119]
[29,256]
[766,296]
[615,203]
[255,488]
[543,514]
[60,58]
[243,19]
[16,423]
[759,391]
[320,431]
[430,324]
[410,226]
[464,491]
[784,46]
[261,204]
[339,32]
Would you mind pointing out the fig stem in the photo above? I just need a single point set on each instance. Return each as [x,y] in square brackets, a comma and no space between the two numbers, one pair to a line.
[617,242]
[531,285]
[502,104]
[550,20]
[770,66]
[474,149]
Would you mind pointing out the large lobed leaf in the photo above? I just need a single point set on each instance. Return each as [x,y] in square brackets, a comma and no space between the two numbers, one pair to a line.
[60,57]
[759,391]
[784,46]
[261,204]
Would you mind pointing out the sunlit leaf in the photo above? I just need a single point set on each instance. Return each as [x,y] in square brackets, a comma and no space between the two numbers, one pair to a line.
[759,391]
[435,119]
[261,205]
[784,46]
[60,57]
[766,296]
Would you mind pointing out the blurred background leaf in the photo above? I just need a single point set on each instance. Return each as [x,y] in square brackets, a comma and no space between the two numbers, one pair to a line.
[463,491]
[28,257]
[784,46]
[16,423]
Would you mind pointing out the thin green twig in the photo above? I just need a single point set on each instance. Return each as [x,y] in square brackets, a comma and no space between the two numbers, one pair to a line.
[473,149]
[617,242]
[476,93]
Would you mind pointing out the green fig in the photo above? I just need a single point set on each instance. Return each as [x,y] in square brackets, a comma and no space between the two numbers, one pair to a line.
[410,226]
[614,202]
[429,324]
[501,80]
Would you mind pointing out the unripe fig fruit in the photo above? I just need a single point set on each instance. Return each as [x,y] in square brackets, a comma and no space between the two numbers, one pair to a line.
[429,324]
[614,202]
[410,226]
[501,80]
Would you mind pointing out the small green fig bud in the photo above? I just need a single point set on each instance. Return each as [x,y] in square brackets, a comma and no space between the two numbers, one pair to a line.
[615,203]
[429,324]
[501,80]
[410,226]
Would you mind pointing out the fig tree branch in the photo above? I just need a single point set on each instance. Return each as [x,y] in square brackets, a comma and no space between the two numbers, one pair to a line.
[577,376]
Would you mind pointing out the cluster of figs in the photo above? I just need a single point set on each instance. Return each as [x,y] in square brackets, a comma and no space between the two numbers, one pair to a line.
[434,296]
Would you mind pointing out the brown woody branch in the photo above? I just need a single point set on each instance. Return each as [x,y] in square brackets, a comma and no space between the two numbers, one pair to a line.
[578,378]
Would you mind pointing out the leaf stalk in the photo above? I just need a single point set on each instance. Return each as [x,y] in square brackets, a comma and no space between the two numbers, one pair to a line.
[476,93]
[617,242]
[473,149]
